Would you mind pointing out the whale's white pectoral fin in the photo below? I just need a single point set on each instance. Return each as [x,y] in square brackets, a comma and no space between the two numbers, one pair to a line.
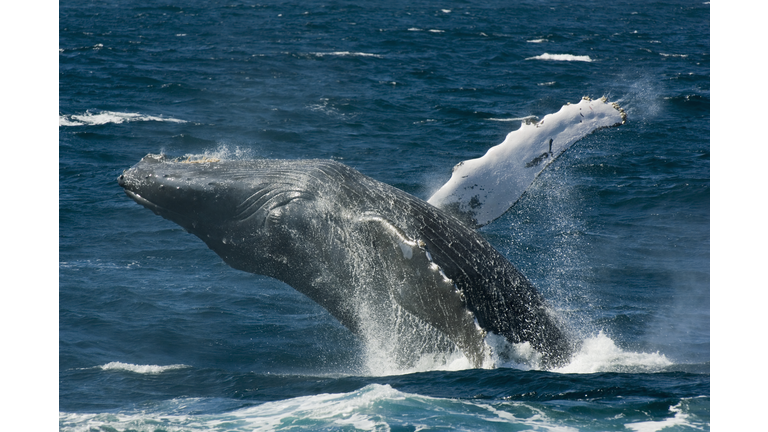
[480,190]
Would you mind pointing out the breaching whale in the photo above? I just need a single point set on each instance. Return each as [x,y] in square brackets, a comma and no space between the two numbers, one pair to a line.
[387,265]
[377,258]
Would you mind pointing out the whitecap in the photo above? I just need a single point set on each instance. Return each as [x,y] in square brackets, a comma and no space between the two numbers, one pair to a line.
[66,121]
[561,57]
[346,53]
[142,369]
[106,117]
[538,40]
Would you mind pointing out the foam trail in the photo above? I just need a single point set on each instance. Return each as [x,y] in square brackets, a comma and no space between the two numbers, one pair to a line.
[480,190]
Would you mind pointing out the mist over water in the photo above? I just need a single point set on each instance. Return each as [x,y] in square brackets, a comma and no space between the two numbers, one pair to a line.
[156,332]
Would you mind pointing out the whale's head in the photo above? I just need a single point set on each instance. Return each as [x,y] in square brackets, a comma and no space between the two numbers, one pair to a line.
[256,214]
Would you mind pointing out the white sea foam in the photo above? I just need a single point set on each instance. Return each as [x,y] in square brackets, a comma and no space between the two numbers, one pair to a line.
[561,57]
[680,419]
[596,354]
[538,40]
[105,117]
[66,121]
[346,53]
[142,369]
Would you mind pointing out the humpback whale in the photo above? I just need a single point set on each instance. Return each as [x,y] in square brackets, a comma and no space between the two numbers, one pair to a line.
[377,258]
[387,265]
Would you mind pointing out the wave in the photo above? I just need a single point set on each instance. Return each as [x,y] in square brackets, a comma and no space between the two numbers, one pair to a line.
[373,407]
[681,418]
[561,57]
[381,407]
[142,369]
[106,117]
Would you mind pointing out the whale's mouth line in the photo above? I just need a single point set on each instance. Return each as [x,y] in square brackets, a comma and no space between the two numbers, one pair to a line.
[143,201]
[162,211]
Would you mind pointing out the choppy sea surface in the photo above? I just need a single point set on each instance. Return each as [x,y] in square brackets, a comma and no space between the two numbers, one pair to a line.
[157,333]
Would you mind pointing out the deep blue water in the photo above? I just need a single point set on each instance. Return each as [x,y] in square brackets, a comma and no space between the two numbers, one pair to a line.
[157,333]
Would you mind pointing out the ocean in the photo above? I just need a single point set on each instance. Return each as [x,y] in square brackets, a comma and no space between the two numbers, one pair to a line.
[157,333]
